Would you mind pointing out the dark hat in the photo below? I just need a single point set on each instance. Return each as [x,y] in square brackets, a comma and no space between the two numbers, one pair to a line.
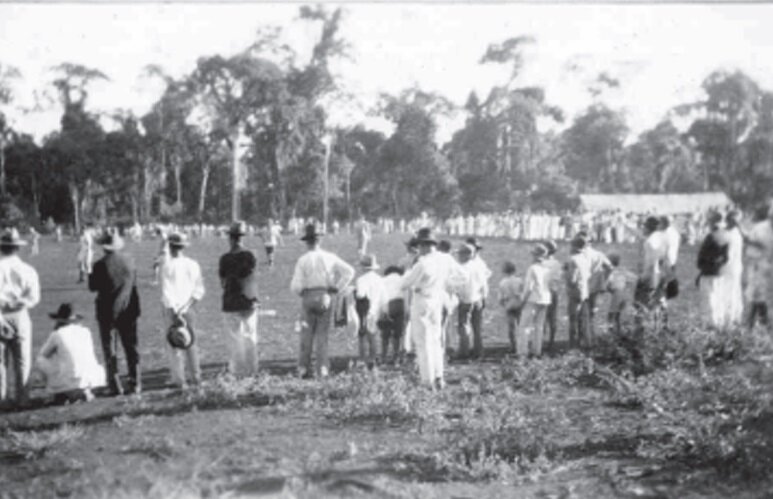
[65,313]
[551,246]
[10,238]
[424,236]
[540,251]
[179,335]
[651,223]
[178,240]
[111,242]
[473,241]
[238,228]
[310,233]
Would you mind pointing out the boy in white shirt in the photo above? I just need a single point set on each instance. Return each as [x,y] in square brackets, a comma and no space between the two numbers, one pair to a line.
[536,299]
[272,236]
[368,296]
[510,293]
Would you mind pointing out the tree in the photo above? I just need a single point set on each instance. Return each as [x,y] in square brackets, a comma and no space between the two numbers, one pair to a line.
[7,75]
[594,149]
[662,161]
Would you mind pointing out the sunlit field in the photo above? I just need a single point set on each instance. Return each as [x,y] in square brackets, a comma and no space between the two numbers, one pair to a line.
[680,413]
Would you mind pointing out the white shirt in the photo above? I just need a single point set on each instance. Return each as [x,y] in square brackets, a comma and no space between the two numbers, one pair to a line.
[181,280]
[392,287]
[673,240]
[272,235]
[318,268]
[474,288]
[510,292]
[760,240]
[481,275]
[536,285]
[19,283]
[370,285]
[655,249]
[428,277]
[68,360]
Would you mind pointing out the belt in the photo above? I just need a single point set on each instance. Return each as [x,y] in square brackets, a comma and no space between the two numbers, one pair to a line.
[7,309]
[316,289]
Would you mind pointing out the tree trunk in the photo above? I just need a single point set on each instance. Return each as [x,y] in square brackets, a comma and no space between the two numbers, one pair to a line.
[203,190]
[147,192]
[177,184]
[76,206]
[236,177]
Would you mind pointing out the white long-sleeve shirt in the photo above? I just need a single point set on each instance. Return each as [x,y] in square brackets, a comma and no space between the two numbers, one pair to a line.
[181,281]
[318,268]
[673,241]
[68,360]
[370,285]
[536,287]
[19,283]
[428,277]
[654,255]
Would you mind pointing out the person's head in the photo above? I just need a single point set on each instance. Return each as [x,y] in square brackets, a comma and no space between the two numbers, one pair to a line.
[539,252]
[651,224]
[65,315]
[716,221]
[425,241]
[475,243]
[508,268]
[369,262]
[551,246]
[733,217]
[311,237]
[236,233]
[177,242]
[614,259]
[444,246]
[578,244]
[10,241]
[465,252]
[412,246]
[111,242]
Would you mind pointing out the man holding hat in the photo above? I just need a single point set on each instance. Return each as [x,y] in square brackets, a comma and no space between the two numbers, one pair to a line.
[238,277]
[427,281]
[182,286]
[19,291]
[318,276]
[67,360]
[114,279]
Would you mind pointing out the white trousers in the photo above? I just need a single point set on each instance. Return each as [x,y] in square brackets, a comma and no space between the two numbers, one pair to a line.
[426,329]
[241,330]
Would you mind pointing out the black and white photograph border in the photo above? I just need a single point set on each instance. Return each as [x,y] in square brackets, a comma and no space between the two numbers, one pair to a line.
[389,250]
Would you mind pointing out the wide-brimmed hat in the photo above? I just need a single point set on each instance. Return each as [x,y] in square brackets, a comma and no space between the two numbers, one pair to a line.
[10,238]
[473,241]
[65,313]
[424,236]
[111,242]
[310,233]
[540,251]
[369,262]
[238,228]
[179,335]
[178,240]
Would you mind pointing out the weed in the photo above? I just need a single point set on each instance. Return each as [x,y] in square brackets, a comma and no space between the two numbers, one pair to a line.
[31,445]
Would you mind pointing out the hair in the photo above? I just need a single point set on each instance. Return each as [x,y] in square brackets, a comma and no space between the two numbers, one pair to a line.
[444,246]
[508,268]
[8,250]
[614,259]
[394,269]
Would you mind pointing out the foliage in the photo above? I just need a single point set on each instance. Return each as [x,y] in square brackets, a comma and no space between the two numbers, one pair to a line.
[36,445]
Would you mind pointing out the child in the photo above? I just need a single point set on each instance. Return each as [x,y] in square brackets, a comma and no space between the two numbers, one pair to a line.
[368,293]
[536,299]
[510,292]
[617,285]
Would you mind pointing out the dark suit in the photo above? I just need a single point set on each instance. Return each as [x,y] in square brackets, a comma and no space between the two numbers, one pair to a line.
[118,305]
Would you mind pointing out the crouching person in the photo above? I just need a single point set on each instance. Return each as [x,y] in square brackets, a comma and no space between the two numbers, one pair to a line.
[393,313]
[67,361]
[182,286]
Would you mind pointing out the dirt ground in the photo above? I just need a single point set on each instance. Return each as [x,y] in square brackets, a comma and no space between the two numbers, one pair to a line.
[267,443]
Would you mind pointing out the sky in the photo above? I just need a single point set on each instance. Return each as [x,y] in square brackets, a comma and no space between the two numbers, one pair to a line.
[659,52]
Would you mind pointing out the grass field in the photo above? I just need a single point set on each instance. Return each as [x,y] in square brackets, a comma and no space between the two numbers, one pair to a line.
[660,417]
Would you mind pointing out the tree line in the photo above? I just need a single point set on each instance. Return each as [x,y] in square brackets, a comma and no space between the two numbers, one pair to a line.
[247,136]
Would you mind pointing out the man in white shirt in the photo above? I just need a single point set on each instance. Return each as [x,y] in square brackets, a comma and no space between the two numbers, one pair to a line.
[19,291]
[673,240]
[470,303]
[427,282]
[318,276]
[182,286]
[600,268]
[272,236]
[479,276]
[369,296]
[654,257]
[67,361]
[536,299]
[392,316]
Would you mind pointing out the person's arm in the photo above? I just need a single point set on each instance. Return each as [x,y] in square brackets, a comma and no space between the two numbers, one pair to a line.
[528,284]
[344,271]
[296,283]
[50,347]
[31,294]
[198,288]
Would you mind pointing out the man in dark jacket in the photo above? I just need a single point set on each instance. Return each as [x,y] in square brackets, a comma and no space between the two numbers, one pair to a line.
[114,279]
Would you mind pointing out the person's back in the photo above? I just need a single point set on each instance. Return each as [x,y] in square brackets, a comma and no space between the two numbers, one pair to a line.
[73,364]
[114,279]
[237,273]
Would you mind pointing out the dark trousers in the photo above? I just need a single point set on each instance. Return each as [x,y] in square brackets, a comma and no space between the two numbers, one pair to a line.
[579,318]
[551,319]
[126,329]
[392,327]
[470,318]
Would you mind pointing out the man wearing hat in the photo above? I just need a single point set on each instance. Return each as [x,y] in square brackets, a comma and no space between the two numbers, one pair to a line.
[536,299]
[652,269]
[427,281]
[368,296]
[577,272]
[67,360]
[479,274]
[19,291]
[114,279]
[318,276]
[238,276]
[182,286]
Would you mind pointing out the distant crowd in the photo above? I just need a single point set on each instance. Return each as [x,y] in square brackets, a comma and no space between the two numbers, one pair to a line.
[426,307]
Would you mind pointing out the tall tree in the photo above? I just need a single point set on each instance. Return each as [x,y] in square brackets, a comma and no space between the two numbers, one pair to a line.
[7,75]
